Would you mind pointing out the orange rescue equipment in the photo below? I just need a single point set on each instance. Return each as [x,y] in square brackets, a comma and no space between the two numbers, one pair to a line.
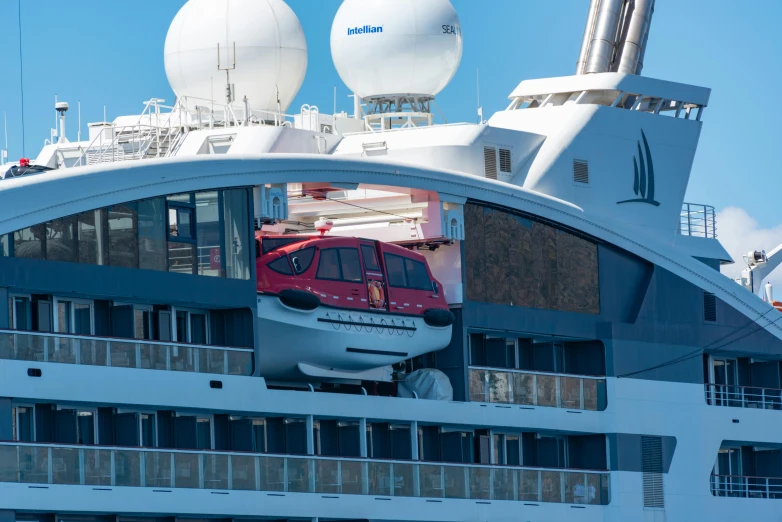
[377,297]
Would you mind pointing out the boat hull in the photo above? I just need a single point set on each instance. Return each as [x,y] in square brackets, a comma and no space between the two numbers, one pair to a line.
[338,339]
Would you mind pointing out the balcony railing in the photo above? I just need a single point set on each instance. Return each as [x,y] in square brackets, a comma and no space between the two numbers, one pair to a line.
[747,487]
[574,392]
[123,353]
[743,396]
[122,467]
[698,220]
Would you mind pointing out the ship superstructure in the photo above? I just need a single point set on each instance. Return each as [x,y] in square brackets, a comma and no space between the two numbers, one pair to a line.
[214,310]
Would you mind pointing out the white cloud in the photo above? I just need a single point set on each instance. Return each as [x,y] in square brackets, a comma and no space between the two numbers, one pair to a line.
[739,233]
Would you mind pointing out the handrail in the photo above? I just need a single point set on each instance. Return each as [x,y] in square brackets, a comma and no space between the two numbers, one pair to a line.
[746,486]
[523,388]
[130,467]
[43,347]
[736,396]
[698,220]
[535,372]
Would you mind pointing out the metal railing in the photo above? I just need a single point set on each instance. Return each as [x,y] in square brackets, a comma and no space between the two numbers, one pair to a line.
[747,487]
[16,345]
[123,467]
[743,396]
[698,221]
[503,386]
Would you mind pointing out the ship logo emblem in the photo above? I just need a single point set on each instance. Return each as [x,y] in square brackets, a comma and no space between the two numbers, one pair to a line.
[643,184]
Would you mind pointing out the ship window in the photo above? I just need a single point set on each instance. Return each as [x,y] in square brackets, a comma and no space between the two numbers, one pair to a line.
[236,221]
[28,242]
[123,236]
[371,262]
[281,266]
[395,267]
[152,234]
[208,233]
[4,252]
[61,240]
[417,276]
[24,425]
[404,272]
[92,239]
[181,223]
[302,259]
[351,267]
[272,243]
[328,267]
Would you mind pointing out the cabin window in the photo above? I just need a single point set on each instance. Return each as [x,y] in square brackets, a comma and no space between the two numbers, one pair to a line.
[123,232]
[151,234]
[351,268]
[302,259]
[91,233]
[340,264]
[181,223]
[4,251]
[209,248]
[28,242]
[61,240]
[371,262]
[404,272]
[273,243]
[281,266]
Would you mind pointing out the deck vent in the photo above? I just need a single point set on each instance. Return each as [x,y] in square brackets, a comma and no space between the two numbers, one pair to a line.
[490,162]
[34,372]
[581,171]
[216,385]
[709,307]
[652,467]
[505,163]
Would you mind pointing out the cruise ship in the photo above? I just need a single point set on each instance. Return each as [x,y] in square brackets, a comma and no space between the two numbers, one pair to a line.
[219,310]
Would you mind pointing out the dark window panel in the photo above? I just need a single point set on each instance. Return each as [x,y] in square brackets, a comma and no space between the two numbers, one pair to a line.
[181,258]
[91,237]
[238,246]
[61,240]
[152,234]
[30,242]
[210,250]
[123,235]
[351,267]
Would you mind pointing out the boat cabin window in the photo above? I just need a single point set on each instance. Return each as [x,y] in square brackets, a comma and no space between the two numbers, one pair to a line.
[340,264]
[23,420]
[371,262]
[273,243]
[407,273]
[74,317]
[281,266]
[302,259]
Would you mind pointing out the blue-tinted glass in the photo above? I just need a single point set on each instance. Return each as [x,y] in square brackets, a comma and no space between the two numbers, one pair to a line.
[238,242]
[152,234]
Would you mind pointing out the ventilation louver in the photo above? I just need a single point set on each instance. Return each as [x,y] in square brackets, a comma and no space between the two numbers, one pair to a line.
[580,171]
[709,307]
[490,161]
[505,164]
[652,468]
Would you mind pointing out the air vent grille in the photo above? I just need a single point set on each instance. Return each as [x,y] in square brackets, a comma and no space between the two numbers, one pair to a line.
[709,307]
[490,161]
[581,171]
[652,467]
[505,164]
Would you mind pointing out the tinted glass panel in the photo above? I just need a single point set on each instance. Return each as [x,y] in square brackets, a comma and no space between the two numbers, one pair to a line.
[181,222]
[64,317]
[238,249]
[61,240]
[271,243]
[371,262]
[417,277]
[4,245]
[28,242]
[181,257]
[82,319]
[351,266]
[92,237]
[208,233]
[302,259]
[328,267]
[395,266]
[198,328]
[281,265]
[181,327]
[152,234]
[123,236]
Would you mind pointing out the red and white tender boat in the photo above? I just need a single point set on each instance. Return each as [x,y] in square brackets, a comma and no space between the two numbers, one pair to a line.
[340,306]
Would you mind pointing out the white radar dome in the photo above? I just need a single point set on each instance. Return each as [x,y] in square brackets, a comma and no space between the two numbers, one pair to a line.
[392,47]
[271,51]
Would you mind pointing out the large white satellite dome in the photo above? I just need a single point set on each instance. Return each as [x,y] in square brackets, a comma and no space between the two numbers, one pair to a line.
[271,51]
[396,47]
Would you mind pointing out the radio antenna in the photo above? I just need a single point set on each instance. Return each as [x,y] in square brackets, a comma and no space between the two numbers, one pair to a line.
[21,73]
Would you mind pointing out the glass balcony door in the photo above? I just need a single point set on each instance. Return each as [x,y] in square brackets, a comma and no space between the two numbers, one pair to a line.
[724,377]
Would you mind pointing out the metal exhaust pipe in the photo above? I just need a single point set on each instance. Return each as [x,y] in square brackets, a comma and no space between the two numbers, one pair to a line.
[589,31]
[634,43]
[603,44]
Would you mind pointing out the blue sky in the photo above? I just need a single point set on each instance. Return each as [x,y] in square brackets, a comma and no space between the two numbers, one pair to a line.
[110,52]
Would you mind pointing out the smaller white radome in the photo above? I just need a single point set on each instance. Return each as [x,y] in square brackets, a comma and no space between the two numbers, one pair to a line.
[271,51]
[393,47]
